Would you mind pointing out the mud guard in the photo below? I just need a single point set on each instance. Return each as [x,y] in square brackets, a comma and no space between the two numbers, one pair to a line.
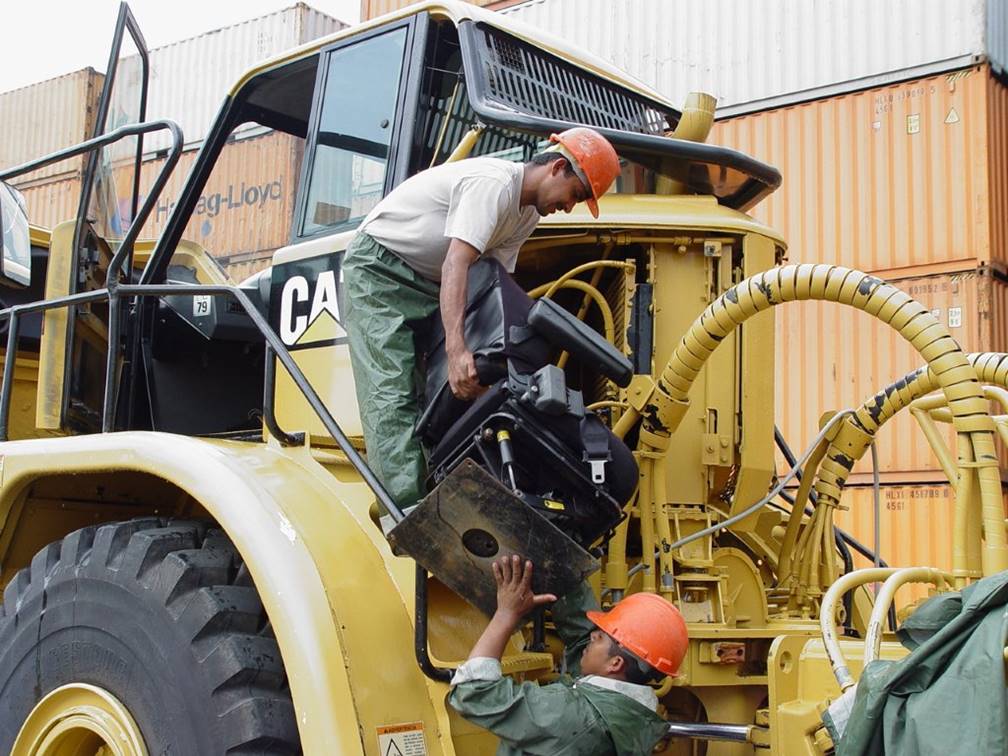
[470,519]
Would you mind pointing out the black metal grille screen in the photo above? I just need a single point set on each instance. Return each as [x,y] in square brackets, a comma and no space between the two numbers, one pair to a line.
[530,81]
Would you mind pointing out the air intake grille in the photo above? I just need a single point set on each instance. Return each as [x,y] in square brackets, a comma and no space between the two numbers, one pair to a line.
[530,81]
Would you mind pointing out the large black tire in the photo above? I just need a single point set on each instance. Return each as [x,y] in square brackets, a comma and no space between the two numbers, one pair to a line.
[163,615]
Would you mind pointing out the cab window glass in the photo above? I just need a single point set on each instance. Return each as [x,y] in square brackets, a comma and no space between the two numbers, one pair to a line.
[355,127]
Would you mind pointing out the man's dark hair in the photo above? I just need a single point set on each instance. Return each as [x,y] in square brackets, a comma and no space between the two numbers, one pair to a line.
[635,669]
[545,158]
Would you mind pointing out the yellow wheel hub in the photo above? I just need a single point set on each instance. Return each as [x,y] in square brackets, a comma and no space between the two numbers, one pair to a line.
[79,720]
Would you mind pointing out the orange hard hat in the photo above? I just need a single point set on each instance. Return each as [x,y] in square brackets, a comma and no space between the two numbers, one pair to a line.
[593,159]
[649,627]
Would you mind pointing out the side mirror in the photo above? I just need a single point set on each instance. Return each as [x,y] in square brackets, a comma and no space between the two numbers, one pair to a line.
[16,268]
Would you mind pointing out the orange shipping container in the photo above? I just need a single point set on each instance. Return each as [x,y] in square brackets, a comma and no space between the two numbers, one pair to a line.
[831,357]
[915,527]
[247,203]
[52,202]
[904,176]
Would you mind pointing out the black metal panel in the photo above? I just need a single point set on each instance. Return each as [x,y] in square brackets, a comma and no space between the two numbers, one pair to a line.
[641,331]
[528,80]
[735,179]
[469,520]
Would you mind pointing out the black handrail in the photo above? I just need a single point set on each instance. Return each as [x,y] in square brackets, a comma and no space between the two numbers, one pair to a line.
[273,342]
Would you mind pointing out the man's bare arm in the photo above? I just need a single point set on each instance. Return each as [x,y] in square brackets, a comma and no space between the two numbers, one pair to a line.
[462,376]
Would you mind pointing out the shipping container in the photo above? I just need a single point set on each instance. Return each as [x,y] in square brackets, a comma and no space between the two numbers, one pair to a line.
[52,202]
[45,117]
[915,527]
[831,357]
[754,56]
[247,203]
[241,266]
[904,176]
[189,79]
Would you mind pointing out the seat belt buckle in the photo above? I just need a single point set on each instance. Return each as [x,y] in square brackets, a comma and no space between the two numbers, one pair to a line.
[597,467]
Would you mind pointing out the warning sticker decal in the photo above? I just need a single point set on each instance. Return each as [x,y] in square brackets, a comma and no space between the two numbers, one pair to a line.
[402,740]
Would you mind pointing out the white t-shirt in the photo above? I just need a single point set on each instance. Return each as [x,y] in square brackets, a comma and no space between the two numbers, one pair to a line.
[474,200]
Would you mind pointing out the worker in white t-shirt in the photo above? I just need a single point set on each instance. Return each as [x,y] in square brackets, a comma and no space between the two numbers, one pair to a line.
[411,256]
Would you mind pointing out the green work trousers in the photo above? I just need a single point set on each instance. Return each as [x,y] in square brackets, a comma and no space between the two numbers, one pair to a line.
[386,306]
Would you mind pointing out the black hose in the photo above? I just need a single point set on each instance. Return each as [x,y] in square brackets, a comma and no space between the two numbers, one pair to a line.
[843,539]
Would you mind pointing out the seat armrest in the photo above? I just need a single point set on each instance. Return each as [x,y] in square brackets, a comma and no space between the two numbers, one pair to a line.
[562,329]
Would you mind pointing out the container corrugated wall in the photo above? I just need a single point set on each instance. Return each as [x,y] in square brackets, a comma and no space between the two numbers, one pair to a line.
[915,527]
[758,55]
[248,200]
[52,202]
[892,177]
[46,117]
[373,8]
[189,79]
[831,357]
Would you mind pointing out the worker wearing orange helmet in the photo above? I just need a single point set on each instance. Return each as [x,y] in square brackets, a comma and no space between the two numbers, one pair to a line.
[607,708]
[411,257]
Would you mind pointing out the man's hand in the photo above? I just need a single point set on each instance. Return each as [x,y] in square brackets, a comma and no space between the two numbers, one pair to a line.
[514,600]
[462,377]
[514,588]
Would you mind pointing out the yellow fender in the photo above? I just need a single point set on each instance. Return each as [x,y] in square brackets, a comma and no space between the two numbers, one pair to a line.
[339,602]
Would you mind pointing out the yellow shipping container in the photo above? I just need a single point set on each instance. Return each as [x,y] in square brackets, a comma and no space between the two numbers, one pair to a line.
[904,176]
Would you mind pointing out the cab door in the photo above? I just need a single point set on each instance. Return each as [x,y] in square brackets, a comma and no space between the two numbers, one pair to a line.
[74,340]
[358,147]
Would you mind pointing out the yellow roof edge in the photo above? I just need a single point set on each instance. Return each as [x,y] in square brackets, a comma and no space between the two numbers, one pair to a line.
[457,11]
[649,211]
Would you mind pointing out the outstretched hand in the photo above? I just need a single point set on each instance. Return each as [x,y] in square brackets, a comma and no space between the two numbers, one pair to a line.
[514,588]
[515,599]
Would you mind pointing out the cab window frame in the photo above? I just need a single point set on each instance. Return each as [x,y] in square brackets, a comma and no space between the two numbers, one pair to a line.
[401,128]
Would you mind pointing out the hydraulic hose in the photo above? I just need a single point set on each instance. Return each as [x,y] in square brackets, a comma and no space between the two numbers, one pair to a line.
[989,367]
[669,400]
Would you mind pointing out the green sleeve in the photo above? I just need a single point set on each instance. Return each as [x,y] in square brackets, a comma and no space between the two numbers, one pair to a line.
[573,627]
[525,715]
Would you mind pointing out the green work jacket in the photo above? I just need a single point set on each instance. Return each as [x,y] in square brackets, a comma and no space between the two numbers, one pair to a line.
[587,716]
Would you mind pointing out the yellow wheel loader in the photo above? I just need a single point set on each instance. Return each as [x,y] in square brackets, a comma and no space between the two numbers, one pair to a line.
[189,531]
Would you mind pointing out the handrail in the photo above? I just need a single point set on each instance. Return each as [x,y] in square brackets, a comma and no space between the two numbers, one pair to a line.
[273,342]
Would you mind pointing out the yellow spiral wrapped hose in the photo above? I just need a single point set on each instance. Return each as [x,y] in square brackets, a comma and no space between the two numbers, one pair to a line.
[952,372]
[990,368]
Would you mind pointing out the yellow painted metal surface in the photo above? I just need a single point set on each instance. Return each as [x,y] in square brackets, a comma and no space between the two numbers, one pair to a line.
[53,347]
[72,717]
[316,559]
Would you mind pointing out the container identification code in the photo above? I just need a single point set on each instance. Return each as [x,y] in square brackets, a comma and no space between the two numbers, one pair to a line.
[402,740]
